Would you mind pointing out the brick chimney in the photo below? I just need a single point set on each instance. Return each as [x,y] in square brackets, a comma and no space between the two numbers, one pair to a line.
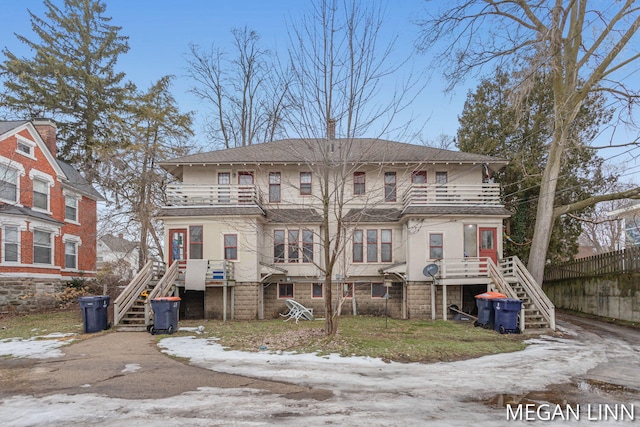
[331,129]
[47,130]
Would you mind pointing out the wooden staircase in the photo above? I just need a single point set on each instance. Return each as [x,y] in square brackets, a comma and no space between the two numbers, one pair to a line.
[132,308]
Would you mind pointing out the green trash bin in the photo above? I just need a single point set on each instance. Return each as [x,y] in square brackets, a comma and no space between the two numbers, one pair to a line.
[95,316]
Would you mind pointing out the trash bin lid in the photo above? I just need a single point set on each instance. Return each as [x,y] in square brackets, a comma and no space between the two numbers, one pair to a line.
[167,299]
[491,295]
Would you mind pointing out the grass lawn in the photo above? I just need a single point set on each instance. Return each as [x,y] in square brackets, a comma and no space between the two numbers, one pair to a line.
[392,339]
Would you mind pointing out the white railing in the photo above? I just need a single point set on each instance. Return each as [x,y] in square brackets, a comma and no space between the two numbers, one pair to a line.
[212,195]
[515,267]
[217,270]
[452,194]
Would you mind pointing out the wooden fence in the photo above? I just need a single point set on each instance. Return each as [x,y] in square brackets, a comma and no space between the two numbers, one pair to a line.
[622,261]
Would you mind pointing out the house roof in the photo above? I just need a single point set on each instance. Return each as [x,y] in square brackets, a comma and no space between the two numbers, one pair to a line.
[210,211]
[23,211]
[293,216]
[117,243]
[372,215]
[76,181]
[7,126]
[357,150]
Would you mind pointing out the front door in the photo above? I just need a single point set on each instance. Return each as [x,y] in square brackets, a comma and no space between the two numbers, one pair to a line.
[488,248]
[178,242]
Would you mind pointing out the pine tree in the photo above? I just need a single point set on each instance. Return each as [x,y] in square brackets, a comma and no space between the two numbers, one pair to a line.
[71,77]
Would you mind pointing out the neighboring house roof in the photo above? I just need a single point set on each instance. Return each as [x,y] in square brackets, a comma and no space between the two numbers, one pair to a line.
[76,181]
[118,244]
[357,150]
[6,126]
[22,211]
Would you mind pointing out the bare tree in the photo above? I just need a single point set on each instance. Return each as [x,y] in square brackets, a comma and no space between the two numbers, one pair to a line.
[246,96]
[338,68]
[580,48]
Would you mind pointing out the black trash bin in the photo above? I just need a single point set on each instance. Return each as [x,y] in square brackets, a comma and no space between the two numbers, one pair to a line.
[165,315]
[506,315]
[486,314]
[94,313]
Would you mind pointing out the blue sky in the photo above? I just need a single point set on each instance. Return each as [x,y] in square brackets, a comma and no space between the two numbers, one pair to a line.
[160,32]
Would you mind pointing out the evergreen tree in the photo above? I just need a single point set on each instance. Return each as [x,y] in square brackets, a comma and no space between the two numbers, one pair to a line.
[495,123]
[71,77]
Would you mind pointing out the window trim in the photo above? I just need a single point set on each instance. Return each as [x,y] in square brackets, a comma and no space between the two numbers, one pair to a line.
[20,140]
[72,196]
[306,187]
[275,184]
[432,247]
[357,184]
[225,247]
[36,175]
[286,296]
[199,244]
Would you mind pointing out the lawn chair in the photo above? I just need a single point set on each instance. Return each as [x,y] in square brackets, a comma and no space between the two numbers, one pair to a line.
[297,311]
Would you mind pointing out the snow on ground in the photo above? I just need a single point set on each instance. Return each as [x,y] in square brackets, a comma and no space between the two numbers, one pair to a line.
[366,391]
[40,347]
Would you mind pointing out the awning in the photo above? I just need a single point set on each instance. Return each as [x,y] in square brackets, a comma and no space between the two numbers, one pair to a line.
[399,270]
[268,270]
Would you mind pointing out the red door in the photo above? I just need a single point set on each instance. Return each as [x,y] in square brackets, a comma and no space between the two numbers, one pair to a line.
[178,242]
[488,247]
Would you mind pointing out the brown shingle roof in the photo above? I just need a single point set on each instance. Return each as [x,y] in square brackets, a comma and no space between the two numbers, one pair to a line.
[359,150]
[372,215]
[210,211]
[293,216]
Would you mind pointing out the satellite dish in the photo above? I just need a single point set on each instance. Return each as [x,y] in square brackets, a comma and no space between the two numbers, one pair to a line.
[430,270]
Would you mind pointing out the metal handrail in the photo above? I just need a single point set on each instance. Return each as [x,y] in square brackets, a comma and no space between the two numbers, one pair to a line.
[130,294]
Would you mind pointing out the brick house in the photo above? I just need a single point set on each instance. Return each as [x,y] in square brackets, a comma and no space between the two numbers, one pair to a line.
[48,211]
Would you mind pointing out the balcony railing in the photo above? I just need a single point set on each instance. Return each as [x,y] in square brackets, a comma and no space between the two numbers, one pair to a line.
[212,195]
[487,194]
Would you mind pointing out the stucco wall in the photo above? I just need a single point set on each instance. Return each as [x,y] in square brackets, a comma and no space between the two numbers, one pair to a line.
[614,296]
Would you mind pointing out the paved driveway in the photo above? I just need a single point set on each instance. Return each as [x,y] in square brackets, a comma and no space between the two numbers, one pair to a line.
[123,379]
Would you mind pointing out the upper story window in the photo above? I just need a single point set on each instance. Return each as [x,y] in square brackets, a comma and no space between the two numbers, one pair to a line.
[419,177]
[389,186]
[358,254]
[385,249]
[11,244]
[305,183]
[230,246]
[359,183]
[441,177]
[40,194]
[274,187]
[435,246]
[286,246]
[278,246]
[293,251]
[195,242]
[386,246]
[70,208]
[8,183]
[307,246]
[372,245]
[42,247]
[26,147]
[224,193]
[245,194]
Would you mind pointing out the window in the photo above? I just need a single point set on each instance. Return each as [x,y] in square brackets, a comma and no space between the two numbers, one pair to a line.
[441,178]
[419,177]
[11,237]
[378,290]
[359,179]
[441,188]
[293,247]
[42,248]
[470,240]
[246,191]
[40,194]
[358,255]
[372,245]
[307,246]
[274,187]
[317,290]
[195,242]
[224,192]
[70,208]
[8,183]
[24,148]
[435,246]
[389,186]
[386,246]
[278,246]
[71,255]
[347,290]
[305,183]
[285,290]
[230,246]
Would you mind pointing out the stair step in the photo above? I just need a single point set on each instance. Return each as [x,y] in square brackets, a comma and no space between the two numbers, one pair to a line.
[132,328]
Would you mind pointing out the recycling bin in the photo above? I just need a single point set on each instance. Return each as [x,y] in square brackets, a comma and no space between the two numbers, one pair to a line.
[94,313]
[165,315]
[486,314]
[506,315]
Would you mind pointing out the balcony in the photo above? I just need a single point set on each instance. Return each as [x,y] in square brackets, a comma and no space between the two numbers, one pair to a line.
[196,195]
[451,195]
